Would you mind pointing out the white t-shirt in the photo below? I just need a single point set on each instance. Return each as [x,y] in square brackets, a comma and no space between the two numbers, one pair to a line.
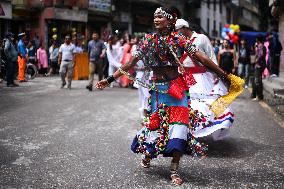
[53,53]
[204,45]
[115,55]
[67,51]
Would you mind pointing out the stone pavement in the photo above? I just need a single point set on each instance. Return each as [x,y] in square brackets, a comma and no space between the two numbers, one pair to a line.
[53,138]
[274,93]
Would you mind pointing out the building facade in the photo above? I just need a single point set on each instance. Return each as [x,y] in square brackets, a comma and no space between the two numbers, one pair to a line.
[5,17]
[99,17]
[46,18]
[210,15]
[137,15]
[248,15]
[277,10]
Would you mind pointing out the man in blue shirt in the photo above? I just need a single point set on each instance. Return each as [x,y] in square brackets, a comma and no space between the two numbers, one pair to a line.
[96,51]
[22,60]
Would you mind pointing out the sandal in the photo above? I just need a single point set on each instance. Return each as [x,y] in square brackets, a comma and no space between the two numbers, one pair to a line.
[145,162]
[176,180]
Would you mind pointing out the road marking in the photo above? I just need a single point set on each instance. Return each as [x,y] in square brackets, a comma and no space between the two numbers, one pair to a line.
[275,116]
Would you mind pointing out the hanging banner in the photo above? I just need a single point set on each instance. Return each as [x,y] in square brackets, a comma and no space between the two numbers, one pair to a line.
[6,10]
[100,5]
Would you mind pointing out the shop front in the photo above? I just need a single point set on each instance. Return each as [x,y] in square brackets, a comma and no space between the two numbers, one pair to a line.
[55,23]
[99,18]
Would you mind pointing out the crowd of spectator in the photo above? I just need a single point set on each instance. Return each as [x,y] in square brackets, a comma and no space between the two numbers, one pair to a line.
[105,57]
[252,63]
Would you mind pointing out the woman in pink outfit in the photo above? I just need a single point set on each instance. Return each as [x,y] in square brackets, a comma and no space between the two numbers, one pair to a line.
[266,73]
[42,59]
[124,81]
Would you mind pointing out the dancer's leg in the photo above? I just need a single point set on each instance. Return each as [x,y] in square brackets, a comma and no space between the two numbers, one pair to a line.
[174,168]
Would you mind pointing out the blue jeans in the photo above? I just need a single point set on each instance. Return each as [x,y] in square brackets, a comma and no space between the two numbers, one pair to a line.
[243,72]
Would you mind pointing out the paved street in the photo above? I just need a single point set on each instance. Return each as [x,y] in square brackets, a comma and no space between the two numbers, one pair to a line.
[53,138]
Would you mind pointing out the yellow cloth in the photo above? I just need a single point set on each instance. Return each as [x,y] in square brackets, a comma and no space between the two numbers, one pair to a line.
[223,102]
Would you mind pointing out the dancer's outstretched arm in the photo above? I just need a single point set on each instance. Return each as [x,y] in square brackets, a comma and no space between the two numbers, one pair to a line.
[202,58]
[105,82]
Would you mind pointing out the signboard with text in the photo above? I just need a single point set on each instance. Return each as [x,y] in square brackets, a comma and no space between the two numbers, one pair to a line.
[100,5]
[67,14]
[6,10]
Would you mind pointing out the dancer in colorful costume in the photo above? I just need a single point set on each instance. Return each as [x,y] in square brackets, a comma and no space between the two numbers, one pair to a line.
[206,90]
[167,130]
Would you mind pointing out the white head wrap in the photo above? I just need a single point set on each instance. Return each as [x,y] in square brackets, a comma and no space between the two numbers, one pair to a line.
[180,23]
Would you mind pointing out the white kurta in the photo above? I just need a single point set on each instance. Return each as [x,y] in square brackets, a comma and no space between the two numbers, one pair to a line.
[114,56]
[142,91]
[204,92]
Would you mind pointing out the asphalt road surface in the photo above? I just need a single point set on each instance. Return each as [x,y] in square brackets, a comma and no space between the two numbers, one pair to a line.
[60,138]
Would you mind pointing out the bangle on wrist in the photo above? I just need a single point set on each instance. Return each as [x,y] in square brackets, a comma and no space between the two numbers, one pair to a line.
[223,76]
[121,70]
[110,79]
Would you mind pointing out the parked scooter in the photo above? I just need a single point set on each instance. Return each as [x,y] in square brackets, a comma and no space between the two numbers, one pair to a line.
[31,70]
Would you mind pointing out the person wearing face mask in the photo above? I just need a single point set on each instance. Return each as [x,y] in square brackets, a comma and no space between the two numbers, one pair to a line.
[166,130]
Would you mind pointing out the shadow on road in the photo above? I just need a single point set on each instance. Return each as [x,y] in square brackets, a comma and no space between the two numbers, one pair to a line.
[7,157]
[233,148]
[202,176]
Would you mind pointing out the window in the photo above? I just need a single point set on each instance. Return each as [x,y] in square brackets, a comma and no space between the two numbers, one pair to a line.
[214,5]
[220,29]
[220,6]
[208,4]
[197,21]
[214,31]
[208,25]
[228,15]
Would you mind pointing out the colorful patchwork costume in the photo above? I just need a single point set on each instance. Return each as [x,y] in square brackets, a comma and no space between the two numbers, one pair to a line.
[167,127]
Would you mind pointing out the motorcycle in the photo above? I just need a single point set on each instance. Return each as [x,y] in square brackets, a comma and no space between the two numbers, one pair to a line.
[31,70]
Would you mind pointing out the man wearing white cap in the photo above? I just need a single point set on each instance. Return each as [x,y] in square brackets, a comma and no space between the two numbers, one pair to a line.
[22,59]
[200,40]
[207,88]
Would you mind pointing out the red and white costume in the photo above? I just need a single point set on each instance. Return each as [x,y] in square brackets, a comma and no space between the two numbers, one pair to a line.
[205,91]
